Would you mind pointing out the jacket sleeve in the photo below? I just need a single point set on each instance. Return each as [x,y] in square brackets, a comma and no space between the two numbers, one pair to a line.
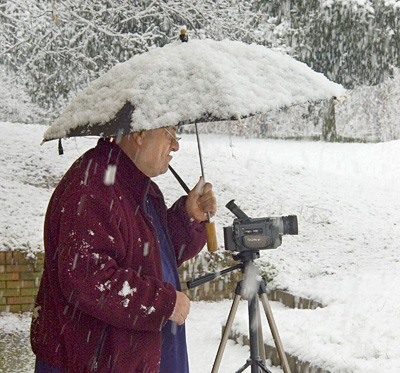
[187,235]
[93,280]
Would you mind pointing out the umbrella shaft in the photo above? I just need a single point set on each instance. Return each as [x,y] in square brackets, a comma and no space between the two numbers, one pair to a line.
[200,157]
[201,161]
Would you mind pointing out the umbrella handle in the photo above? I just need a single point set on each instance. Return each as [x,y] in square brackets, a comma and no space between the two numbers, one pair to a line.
[212,244]
[211,233]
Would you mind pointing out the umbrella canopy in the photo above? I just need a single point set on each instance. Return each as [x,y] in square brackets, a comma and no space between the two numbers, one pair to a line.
[198,81]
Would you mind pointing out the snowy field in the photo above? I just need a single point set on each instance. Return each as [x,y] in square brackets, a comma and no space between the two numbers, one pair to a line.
[346,197]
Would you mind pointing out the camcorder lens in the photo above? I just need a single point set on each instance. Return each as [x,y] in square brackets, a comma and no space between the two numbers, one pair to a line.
[290,225]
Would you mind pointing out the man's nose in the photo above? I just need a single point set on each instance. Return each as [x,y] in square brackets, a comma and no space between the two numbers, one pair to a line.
[175,146]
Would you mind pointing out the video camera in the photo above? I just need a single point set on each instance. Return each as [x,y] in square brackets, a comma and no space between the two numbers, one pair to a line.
[248,234]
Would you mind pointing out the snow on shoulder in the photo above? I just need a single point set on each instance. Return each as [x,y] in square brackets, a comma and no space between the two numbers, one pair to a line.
[201,80]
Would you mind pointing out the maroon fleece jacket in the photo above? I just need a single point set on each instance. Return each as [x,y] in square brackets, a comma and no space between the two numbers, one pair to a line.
[102,302]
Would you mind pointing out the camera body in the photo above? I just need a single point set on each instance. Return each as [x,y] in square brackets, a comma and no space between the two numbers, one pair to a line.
[248,234]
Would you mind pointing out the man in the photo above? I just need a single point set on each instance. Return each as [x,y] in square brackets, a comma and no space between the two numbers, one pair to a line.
[110,294]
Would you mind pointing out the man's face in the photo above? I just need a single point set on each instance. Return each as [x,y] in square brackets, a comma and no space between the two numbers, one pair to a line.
[154,152]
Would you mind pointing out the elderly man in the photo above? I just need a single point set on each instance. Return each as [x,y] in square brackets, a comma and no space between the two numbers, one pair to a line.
[110,299]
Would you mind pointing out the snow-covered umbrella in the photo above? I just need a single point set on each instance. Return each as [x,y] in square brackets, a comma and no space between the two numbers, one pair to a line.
[194,82]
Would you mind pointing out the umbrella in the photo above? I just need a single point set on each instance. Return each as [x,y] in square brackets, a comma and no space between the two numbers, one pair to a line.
[194,82]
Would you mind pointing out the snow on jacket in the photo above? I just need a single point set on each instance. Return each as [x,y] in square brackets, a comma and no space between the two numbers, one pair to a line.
[102,302]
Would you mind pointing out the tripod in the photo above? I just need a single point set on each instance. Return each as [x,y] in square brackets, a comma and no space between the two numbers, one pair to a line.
[252,285]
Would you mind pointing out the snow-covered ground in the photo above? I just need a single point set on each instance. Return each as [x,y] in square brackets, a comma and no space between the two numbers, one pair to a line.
[203,337]
[346,197]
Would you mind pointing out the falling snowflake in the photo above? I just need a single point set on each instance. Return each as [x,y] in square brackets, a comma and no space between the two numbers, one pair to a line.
[145,249]
[109,176]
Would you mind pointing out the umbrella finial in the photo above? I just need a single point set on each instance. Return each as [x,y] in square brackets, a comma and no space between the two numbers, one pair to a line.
[183,36]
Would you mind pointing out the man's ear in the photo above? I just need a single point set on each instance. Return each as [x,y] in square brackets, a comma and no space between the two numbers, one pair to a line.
[137,137]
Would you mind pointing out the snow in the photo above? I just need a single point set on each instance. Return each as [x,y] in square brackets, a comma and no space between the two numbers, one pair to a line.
[355,3]
[394,3]
[198,79]
[346,197]
[126,290]
[109,177]
[203,329]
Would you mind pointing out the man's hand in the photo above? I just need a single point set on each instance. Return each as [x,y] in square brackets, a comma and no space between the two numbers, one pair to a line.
[200,201]
[181,310]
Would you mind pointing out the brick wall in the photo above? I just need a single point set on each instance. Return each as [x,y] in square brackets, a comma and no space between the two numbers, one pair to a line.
[19,280]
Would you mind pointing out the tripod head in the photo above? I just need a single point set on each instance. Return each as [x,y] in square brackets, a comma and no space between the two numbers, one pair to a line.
[245,257]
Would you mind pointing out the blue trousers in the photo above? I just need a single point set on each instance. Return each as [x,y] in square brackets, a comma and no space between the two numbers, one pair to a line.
[42,367]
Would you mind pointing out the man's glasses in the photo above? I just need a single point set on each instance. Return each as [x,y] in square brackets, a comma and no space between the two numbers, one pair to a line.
[173,137]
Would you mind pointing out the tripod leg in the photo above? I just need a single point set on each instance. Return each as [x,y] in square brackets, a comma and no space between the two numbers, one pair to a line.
[248,363]
[275,334]
[261,348]
[243,368]
[254,325]
[225,335]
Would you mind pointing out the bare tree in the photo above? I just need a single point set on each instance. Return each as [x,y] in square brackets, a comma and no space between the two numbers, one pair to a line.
[57,47]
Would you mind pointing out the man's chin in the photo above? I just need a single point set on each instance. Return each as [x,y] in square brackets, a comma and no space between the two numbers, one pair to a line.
[160,171]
